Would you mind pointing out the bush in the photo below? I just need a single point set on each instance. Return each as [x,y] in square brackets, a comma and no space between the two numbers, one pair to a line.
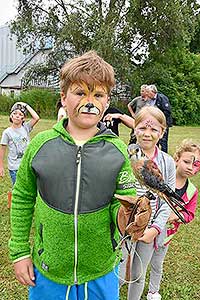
[6,104]
[42,100]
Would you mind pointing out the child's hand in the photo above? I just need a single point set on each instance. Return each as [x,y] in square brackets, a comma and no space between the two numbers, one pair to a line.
[172,218]
[149,235]
[24,271]
[2,172]
[22,103]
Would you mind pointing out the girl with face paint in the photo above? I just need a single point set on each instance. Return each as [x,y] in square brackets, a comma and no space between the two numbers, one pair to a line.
[150,124]
[187,157]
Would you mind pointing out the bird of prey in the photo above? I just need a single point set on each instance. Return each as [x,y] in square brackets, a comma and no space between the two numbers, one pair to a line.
[148,175]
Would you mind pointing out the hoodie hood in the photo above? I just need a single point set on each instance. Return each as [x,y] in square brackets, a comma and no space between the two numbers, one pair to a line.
[61,125]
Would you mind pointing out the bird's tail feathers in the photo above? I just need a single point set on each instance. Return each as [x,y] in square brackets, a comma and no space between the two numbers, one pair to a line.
[175,210]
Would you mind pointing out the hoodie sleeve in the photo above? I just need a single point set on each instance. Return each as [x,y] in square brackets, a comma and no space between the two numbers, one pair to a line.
[24,198]
[125,185]
[23,201]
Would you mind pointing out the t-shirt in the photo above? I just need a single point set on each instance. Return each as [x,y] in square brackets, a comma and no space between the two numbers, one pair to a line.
[17,140]
[114,124]
[182,190]
[137,103]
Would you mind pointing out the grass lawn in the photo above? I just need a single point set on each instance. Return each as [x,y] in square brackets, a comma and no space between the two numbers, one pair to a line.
[182,265]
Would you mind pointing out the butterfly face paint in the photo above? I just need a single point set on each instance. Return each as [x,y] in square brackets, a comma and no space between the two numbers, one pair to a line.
[91,99]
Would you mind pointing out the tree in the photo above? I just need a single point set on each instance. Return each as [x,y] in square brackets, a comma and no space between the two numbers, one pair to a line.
[195,42]
[127,33]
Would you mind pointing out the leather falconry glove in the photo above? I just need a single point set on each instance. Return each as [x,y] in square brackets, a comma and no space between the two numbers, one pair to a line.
[134,214]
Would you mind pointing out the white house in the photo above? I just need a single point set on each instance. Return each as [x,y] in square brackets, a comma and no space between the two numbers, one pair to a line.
[13,63]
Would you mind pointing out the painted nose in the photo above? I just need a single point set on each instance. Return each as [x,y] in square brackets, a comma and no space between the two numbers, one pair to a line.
[89,105]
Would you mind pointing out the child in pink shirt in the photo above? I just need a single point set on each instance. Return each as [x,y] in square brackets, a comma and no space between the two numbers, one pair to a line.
[187,159]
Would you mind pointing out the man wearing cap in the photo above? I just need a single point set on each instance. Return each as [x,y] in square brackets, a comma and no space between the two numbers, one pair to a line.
[16,137]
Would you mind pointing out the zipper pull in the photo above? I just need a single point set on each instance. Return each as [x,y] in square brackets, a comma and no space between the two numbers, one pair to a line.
[78,155]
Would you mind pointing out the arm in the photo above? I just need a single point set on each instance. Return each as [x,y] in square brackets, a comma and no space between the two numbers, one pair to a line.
[34,116]
[125,119]
[132,106]
[131,110]
[2,154]
[23,202]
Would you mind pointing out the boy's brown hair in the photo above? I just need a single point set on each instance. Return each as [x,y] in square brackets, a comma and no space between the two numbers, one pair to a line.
[90,68]
[153,112]
[186,145]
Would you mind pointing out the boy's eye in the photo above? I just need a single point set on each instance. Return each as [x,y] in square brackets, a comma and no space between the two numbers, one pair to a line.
[98,95]
[80,93]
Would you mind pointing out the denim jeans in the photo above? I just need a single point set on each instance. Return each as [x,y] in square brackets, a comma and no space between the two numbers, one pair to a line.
[13,174]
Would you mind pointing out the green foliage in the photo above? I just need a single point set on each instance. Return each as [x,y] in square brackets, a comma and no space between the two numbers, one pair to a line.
[6,104]
[195,42]
[124,32]
[177,75]
[42,100]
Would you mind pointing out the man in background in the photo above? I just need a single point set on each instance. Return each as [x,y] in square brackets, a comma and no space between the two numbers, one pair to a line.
[162,102]
[135,105]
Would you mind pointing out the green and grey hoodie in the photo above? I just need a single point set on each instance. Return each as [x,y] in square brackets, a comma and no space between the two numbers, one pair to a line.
[70,189]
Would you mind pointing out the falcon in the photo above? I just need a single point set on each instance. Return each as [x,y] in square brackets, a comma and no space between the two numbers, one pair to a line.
[149,175]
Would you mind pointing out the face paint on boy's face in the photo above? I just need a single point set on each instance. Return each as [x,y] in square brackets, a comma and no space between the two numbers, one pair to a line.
[91,101]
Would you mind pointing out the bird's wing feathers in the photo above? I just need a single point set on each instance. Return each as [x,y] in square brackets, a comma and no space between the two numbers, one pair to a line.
[149,175]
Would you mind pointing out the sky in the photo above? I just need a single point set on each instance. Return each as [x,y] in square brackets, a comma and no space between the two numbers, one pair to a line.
[7,11]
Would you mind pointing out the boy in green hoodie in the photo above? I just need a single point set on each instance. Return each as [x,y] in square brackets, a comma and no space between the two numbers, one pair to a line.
[67,179]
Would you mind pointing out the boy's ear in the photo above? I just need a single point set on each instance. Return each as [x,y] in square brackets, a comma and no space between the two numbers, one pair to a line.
[62,96]
[107,104]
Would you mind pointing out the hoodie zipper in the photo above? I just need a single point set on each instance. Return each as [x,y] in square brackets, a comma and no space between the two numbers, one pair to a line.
[78,178]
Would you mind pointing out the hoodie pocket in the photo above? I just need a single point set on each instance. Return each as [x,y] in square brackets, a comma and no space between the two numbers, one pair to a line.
[41,248]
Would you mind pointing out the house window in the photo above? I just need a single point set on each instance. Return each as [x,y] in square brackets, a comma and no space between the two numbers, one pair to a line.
[12,93]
